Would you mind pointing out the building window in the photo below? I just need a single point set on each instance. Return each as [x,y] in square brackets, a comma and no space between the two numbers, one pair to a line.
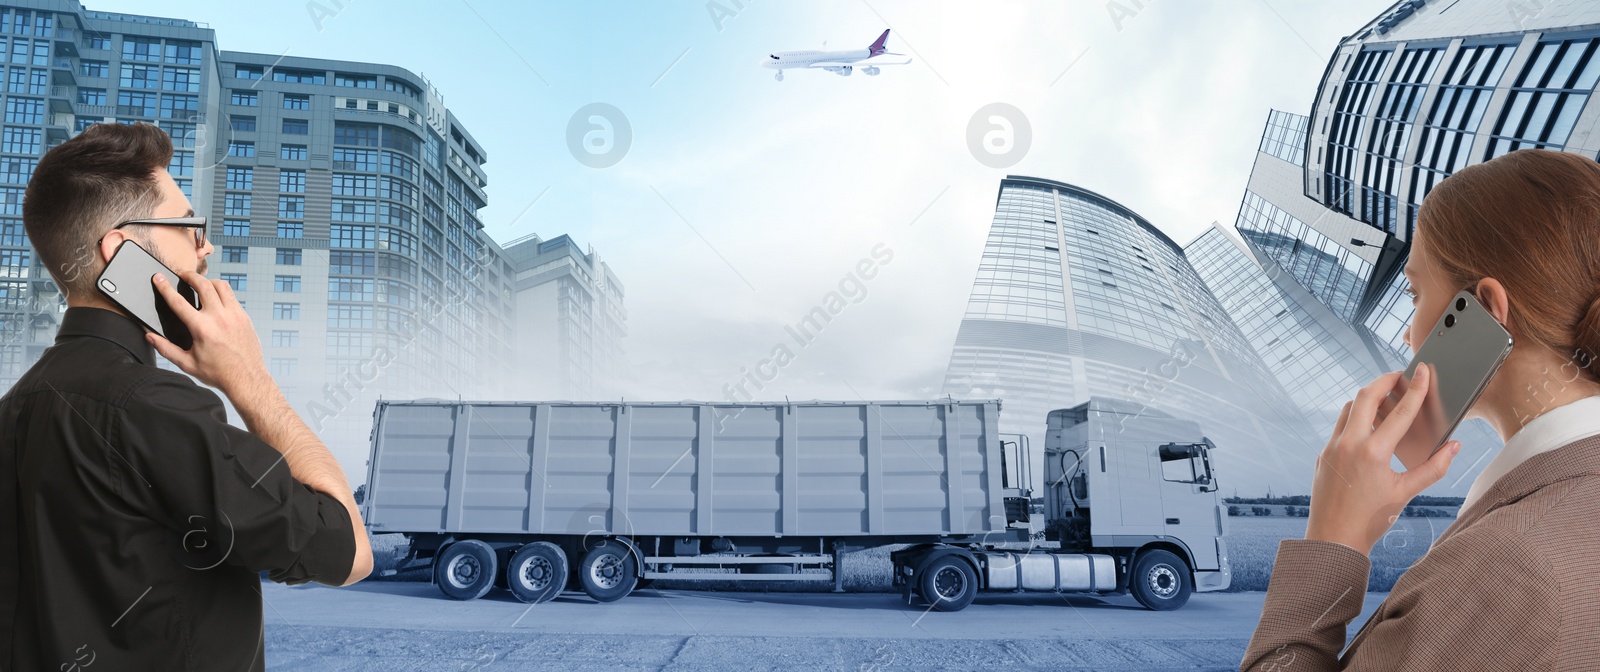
[133,75]
[180,79]
[244,98]
[89,96]
[364,135]
[292,152]
[239,123]
[184,53]
[235,280]
[292,181]
[241,148]
[236,204]
[350,263]
[241,178]
[399,86]
[291,230]
[1452,123]
[346,184]
[285,338]
[288,256]
[141,49]
[1343,140]
[296,101]
[235,227]
[286,283]
[16,140]
[350,289]
[99,41]
[247,72]
[24,110]
[294,76]
[1547,97]
[357,81]
[1391,134]
[348,235]
[296,127]
[182,134]
[292,207]
[235,254]
[179,107]
[134,103]
[355,159]
[16,170]
[94,69]
[285,311]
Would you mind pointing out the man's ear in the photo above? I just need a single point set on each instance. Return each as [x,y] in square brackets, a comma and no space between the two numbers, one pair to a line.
[109,245]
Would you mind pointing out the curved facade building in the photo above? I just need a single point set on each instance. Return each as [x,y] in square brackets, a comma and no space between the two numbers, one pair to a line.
[1077,295]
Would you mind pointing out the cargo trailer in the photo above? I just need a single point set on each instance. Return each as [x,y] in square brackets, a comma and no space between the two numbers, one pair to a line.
[609,496]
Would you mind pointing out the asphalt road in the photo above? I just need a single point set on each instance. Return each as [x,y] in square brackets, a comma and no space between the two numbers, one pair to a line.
[412,626]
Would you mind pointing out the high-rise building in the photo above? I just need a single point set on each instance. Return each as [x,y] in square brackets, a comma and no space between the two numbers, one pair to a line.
[343,201]
[1419,92]
[1077,295]
[570,321]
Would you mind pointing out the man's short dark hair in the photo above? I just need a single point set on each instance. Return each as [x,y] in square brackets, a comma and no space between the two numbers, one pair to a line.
[85,186]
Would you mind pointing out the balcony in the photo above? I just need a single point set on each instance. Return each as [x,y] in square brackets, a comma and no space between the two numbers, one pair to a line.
[98,111]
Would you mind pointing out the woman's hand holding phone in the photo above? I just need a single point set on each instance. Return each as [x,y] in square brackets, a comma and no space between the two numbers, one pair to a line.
[1355,495]
[226,353]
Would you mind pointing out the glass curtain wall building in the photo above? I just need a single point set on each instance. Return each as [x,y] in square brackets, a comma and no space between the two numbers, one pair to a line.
[1077,295]
[1416,94]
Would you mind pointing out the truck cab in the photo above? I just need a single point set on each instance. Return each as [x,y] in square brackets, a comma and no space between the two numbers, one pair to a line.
[1122,476]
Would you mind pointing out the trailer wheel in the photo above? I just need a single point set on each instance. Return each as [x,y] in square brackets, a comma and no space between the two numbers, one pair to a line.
[948,583]
[1160,580]
[465,570]
[609,571]
[537,572]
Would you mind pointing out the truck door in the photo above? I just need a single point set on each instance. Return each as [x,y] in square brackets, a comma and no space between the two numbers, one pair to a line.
[1188,500]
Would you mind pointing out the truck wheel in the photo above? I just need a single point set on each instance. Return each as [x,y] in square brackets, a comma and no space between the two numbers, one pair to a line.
[465,570]
[1160,581]
[608,571]
[948,583]
[537,572]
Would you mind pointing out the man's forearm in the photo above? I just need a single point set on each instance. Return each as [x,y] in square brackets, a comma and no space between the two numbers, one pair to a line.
[267,414]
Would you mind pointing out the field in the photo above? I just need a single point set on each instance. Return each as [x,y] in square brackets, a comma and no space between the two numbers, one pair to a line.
[1252,548]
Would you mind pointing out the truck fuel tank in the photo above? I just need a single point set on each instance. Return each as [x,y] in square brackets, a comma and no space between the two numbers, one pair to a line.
[1050,571]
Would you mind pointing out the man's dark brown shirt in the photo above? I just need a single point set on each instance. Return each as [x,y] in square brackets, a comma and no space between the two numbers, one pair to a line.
[135,521]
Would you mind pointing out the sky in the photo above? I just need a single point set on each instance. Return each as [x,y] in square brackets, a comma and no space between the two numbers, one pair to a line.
[741,202]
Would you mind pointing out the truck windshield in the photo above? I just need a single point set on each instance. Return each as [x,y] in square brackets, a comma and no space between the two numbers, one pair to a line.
[1185,463]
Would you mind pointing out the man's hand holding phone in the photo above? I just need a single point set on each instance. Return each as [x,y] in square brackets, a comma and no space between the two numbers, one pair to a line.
[226,353]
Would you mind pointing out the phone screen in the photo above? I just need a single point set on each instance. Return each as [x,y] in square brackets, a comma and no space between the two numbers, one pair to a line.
[1463,351]
[126,282]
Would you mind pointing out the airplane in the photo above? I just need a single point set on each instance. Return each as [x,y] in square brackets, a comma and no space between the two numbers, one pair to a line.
[837,62]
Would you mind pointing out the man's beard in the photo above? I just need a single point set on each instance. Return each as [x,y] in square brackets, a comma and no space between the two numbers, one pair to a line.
[150,246]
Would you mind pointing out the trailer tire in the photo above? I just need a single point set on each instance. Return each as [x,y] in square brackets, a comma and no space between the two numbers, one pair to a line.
[948,583]
[1160,580]
[608,571]
[465,570]
[537,572]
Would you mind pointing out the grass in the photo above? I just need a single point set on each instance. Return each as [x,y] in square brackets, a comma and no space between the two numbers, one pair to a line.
[1253,548]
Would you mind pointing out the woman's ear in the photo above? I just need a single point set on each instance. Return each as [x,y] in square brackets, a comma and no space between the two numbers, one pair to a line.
[1492,295]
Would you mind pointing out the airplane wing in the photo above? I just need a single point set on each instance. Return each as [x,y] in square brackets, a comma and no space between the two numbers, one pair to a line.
[859,64]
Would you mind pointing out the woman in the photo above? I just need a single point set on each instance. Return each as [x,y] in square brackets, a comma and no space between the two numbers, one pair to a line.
[1514,583]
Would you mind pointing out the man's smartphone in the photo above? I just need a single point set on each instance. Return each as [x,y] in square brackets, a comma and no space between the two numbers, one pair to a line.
[1463,351]
[126,281]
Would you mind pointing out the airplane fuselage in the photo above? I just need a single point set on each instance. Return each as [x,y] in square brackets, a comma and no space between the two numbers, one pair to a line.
[802,59]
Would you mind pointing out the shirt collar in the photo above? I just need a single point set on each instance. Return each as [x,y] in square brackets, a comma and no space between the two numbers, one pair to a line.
[107,325]
[1552,429]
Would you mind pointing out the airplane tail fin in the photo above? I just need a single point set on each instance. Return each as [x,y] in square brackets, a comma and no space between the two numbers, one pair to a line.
[878,47]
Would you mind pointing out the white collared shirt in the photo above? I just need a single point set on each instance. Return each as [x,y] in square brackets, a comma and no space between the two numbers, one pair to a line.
[1552,429]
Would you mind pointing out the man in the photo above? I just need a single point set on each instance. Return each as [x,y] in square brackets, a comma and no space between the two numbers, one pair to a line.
[134,521]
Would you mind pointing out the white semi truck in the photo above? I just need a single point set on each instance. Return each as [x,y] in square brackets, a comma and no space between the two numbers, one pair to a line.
[535,497]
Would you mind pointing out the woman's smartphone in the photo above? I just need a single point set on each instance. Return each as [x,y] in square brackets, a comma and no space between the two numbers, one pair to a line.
[1463,351]
[126,281]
